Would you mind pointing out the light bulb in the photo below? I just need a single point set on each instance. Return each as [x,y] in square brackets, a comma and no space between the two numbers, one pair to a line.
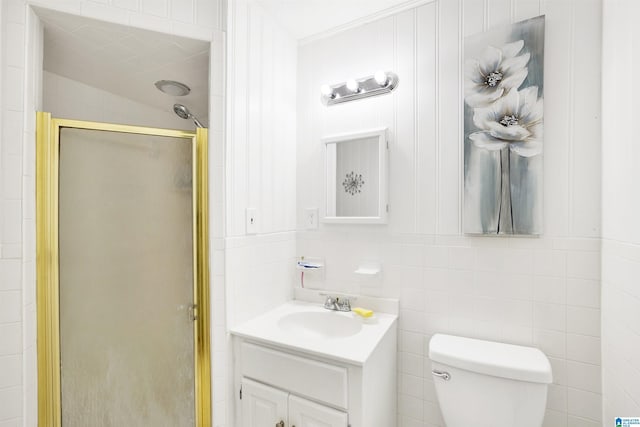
[381,78]
[353,85]
[326,90]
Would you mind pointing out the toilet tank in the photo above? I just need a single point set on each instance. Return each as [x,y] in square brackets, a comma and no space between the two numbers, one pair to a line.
[489,384]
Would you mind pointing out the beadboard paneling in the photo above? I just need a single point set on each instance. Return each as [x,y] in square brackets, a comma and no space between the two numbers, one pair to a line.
[261,150]
[424,115]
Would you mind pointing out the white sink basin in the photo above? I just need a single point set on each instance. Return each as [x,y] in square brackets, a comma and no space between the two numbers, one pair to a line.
[328,325]
[310,328]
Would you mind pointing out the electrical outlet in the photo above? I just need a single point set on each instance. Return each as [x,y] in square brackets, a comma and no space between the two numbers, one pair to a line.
[311,218]
[252,221]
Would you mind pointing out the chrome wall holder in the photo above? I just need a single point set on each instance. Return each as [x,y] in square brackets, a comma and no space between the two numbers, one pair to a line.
[382,82]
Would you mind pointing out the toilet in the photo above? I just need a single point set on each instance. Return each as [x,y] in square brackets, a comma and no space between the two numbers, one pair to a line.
[489,384]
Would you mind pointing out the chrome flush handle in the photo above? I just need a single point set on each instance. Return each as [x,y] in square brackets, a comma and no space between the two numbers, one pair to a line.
[441,374]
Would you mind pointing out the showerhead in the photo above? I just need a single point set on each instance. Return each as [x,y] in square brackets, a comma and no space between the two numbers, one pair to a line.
[183,112]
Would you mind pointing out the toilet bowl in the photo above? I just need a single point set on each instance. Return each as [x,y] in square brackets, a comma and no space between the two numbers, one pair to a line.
[488,384]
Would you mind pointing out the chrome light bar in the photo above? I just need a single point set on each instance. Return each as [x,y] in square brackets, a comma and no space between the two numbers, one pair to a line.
[382,82]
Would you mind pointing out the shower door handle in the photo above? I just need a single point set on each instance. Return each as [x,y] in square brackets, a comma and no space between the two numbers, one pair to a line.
[193,312]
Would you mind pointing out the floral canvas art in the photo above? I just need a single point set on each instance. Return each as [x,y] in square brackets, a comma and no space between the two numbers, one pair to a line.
[503,129]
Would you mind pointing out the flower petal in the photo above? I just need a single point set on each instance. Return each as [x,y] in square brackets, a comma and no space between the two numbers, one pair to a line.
[513,81]
[515,64]
[508,133]
[481,116]
[508,104]
[471,88]
[510,50]
[537,132]
[526,149]
[530,109]
[490,60]
[490,113]
[472,72]
[484,140]
[482,96]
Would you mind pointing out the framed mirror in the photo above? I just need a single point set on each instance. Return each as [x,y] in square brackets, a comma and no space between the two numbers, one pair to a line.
[356,168]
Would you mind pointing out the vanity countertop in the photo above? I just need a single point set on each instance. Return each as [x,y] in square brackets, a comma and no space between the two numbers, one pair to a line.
[310,328]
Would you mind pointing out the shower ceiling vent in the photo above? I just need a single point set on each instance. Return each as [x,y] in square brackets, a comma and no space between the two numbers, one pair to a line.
[173,88]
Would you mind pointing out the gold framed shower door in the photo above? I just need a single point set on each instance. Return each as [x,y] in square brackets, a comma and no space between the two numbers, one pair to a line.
[47,262]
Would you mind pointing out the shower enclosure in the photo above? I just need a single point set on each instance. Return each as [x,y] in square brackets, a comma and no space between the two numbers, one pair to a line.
[122,275]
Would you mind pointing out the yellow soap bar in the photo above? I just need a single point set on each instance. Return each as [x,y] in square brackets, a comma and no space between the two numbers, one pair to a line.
[362,311]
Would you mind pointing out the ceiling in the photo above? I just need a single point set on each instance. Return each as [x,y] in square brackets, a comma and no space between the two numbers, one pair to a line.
[306,18]
[126,61]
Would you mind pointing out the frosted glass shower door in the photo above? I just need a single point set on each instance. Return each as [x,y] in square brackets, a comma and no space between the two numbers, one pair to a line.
[126,279]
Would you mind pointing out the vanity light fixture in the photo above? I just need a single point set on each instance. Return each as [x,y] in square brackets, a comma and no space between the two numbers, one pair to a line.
[353,86]
[381,78]
[327,91]
[380,83]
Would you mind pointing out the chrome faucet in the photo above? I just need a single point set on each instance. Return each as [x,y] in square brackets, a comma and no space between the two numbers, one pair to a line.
[337,304]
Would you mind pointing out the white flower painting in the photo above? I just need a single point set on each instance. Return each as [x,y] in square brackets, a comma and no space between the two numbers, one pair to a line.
[496,72]
[503,120]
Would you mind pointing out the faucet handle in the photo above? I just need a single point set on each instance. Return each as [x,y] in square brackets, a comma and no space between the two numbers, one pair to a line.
[344,304]
[330,302]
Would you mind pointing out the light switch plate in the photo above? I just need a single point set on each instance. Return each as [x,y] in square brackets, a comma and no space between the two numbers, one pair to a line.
[311,218]
[252,221]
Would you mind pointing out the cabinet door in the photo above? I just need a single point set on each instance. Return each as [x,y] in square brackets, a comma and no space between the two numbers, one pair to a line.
[303,413]
[263,406]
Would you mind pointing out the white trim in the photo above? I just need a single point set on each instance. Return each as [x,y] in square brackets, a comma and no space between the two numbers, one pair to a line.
[353,220]
[383,180]
[410,4]
[349,136]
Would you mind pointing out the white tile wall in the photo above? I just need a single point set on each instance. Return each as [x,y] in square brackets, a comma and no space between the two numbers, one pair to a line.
[21,90]
[219,336]
[534,291]
[462,298]
[259,271]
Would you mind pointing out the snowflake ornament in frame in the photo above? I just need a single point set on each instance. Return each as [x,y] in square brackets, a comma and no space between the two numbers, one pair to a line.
[353,183]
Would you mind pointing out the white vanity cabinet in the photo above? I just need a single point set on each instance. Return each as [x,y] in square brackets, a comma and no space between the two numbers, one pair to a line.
[304,413]
[303,390]
[304,366]
[265,406]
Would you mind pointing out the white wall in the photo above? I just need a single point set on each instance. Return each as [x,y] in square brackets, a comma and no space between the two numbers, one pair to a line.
[260,164]
[535,291]
[621,208]
[21,96]
[21,54]
[261,154]
[260,161]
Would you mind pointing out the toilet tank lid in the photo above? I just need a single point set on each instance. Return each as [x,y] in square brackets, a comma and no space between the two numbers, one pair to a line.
[491,358]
